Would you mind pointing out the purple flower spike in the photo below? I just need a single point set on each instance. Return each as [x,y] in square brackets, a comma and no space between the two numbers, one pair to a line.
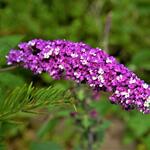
[84,64]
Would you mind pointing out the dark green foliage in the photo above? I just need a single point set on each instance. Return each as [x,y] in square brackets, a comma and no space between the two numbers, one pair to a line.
[26,99]
[44,146]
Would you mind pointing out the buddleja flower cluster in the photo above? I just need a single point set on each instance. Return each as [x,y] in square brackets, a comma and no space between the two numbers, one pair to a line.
[80,62]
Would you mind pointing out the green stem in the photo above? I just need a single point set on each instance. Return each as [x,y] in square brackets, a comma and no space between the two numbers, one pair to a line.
[107,31]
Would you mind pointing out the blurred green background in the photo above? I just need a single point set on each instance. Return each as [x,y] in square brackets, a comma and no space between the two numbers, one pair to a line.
[121,27]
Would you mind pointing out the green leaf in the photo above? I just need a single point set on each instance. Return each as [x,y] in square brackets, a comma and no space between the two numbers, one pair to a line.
[103,106]
[44,146]
[10,128]
[81,94]
[101,130]
[138,123]
[47,126]
[86,122]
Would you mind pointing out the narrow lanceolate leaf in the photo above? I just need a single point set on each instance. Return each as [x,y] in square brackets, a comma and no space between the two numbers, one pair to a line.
[27,99]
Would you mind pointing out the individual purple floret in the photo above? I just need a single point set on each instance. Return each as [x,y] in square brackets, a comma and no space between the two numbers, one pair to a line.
[84,64]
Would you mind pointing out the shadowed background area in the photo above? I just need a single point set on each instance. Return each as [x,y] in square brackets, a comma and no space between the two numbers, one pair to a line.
[119,27]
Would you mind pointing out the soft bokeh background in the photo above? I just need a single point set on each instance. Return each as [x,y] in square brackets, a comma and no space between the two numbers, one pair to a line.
[121,27]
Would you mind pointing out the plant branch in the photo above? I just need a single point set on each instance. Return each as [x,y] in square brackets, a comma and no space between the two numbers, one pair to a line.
[90,139]
[27,99]
[8,68]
